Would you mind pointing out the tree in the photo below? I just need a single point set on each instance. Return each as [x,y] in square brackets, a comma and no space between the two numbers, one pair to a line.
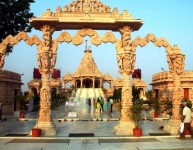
[149,94]
[135,94]
[14,18]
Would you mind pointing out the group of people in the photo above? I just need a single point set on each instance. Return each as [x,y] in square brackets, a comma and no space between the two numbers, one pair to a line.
[101,104]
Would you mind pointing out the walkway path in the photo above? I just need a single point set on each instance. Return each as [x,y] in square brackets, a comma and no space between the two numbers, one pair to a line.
[104,136]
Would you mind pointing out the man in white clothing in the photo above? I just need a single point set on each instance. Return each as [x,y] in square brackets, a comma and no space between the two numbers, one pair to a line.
[186,119]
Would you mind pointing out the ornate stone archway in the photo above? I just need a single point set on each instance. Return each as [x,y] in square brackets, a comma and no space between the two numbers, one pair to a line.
[88,16]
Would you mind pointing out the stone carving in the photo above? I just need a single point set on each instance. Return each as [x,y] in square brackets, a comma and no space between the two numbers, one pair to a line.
[64,36]
[177,95]
[150,37]
[86,6]
[125,56]
[176,63]
[191,94]
[45,94]
[46,14]
[109,37]
[95,38]
[127,94]
[15,40]
[126,62]
[115,11]
[47,32]
[125,14]
[44,62]
[125,37]
[2,60]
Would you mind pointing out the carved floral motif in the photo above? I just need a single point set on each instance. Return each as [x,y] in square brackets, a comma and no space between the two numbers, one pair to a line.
[176,63]
[126,58]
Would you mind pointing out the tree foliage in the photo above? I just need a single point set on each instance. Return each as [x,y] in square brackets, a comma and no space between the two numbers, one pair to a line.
[135,94]
[14,18]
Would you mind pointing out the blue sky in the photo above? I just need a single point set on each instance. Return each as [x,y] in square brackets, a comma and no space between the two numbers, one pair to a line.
[171,19]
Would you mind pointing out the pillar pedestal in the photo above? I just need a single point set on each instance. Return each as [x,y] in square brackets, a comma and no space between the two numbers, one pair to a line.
[47,128]
[124,128]
[172,126]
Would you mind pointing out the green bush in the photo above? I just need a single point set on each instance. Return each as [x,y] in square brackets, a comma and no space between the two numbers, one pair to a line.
[149,102]
[135,113]
[167,106]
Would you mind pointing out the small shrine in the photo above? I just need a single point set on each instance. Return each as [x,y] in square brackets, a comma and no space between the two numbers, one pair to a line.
[87,75]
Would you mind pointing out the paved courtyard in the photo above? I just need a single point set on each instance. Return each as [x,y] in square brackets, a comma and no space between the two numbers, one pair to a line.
[86,121]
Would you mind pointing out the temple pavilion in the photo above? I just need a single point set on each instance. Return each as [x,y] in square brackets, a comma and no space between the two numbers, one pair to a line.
[87,75]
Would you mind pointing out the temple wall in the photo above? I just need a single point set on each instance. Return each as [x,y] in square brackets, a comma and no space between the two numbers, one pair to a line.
[163,83]
[10,86]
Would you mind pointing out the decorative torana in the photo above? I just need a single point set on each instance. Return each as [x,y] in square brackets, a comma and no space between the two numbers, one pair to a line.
[86,16]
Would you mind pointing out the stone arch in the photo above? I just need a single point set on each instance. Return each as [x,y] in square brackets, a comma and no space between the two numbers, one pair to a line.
[91,14]
[176,65]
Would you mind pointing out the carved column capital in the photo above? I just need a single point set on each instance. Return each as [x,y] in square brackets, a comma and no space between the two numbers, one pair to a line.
[176,61]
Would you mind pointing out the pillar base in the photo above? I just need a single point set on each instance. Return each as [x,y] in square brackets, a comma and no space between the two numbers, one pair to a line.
[47,128]
[3,129]
[124,128]
[172,126]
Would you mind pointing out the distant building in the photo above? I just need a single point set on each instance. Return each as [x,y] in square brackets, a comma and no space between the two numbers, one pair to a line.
[10,86]
[162,85]
[36,83]
[87,75]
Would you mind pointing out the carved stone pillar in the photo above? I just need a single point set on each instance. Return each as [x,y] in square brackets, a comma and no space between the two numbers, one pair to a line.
[176,64]
[126,62]
[46,61]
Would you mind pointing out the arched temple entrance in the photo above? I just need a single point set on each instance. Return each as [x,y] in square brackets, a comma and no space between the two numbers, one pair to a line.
[88,16]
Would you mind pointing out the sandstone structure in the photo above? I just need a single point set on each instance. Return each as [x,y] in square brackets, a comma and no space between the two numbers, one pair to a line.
[86,16]
[162,85]
[10,86]
[87,75]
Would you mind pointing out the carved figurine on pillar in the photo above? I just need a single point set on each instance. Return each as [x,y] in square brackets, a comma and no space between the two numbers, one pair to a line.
[126,61]
[176,66]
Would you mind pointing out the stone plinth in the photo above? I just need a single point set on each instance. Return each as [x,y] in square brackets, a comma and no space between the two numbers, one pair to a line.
[47,128]
[124,128]
[172,126]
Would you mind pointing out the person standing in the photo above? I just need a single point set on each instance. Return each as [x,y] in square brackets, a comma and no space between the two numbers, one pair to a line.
[108,106]
[102,103]
[0,111]
[186,119]
[94,102]
[98,106]
[89,101]
[111,105]
[105,106]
